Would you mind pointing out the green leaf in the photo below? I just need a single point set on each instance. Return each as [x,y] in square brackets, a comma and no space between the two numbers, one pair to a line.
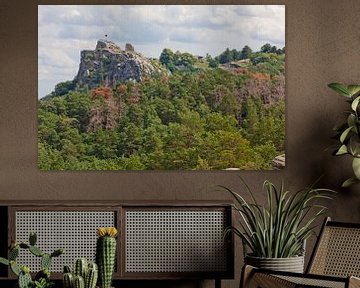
[353,89]
[351,120]
[349,182]
[356,167]
[4,261]
[14,268]
[279,228]
[345,134]
[354,145]
[340,88]
[355,103]
[342,150]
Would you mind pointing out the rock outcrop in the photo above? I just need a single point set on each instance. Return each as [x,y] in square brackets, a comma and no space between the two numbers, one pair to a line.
[108,64]
[278,162]
[129,47]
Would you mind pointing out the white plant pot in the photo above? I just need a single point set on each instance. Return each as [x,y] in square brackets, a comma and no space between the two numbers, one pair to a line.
[291,264]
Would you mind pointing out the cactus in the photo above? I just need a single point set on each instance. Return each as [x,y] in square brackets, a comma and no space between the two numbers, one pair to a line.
[88,273]
[24,245]
[91,276]
[79,282]
[25,269]
[105,254]
[45,261]
[24,280]
[57,252]
[80,268]
[13,253]
[32,238]
[44,273]
[23,273]
[68,280]
[67,269]
[36,251]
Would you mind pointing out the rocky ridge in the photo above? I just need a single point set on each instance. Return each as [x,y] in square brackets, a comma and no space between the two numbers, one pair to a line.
[108,64]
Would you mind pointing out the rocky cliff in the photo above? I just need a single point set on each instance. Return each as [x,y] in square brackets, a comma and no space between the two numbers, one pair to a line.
[109,64]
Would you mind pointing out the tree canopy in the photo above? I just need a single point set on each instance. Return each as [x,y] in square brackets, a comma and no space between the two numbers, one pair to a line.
[192,118]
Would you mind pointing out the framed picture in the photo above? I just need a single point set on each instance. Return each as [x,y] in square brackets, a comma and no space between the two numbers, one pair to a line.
[161,87]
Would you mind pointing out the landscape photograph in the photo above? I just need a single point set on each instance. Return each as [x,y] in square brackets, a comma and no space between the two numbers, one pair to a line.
[161,87]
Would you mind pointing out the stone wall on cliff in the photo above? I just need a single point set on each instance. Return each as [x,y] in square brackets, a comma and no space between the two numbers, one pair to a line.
[108,64]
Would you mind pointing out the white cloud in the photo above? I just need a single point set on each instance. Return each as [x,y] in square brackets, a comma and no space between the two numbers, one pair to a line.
[70,14]
[65,30]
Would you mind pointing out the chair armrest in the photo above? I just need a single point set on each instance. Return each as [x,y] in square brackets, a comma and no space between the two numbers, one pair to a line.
[252,277]
[246,273]
[354,282]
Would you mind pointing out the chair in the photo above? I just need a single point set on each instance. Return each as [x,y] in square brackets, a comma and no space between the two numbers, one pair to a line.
[335,262]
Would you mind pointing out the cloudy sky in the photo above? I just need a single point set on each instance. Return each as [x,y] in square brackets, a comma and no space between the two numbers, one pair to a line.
[63,31]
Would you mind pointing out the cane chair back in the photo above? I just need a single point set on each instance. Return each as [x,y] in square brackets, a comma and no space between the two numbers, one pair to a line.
[335,262]
[337,252]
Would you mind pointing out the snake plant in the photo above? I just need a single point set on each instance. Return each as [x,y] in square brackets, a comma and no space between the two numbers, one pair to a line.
[279,228]
[349,131]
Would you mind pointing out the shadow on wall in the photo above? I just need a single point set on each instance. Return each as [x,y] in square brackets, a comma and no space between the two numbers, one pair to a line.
[332,170]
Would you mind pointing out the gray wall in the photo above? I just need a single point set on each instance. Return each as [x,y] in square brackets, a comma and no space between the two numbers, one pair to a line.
[322,43]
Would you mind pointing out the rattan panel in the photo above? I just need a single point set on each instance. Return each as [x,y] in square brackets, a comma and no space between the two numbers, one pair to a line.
[338,253]
[75,231]
[175,241]
[312,282]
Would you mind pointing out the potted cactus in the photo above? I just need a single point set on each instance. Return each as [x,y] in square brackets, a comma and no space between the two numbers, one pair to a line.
[106,254]
[84,275]
[42,278]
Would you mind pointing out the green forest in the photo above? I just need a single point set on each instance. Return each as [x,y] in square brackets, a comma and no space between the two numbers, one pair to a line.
[197,114]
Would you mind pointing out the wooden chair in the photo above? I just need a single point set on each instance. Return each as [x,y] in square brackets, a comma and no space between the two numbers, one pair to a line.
[335,262]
